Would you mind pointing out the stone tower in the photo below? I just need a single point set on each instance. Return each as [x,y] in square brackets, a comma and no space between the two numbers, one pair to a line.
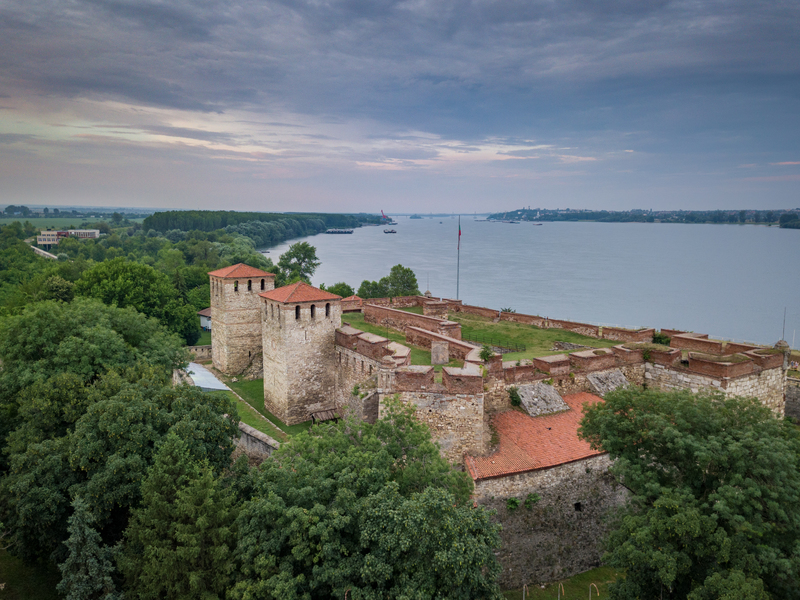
[299,325]
[236,315]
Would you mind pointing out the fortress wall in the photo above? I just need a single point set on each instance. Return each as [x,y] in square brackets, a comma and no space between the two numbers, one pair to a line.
[354,369]
[236,334]
[582,328]
[552,539]
[200,352]
[400,320]
[456,381]
[478,310]
[414,378]
[352,305]
[523,374]
[589,361]
[719,370]
[793,398]
[734,348]
[526,319]
[255,443]
[422,338]
[699,344]
[766,361]
[407,301]
[768,385]
[455,420]
[628,335]
[435,309]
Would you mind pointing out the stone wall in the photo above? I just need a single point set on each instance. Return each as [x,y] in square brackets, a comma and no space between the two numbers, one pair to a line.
[690,341]
[200,352]
[299,358]
[793,398]
[455,420]
[479,311]
[236,314]
[352,369]
[562,533]
[581,328]
[255,443]
[401,320]
[628,335]
[423,339]
[526,319]
[767,385]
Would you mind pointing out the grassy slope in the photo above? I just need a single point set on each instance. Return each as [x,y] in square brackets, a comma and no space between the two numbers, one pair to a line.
[23,582]
[205,339]
[250,416]
[253,392]
[537,341]
[574,587]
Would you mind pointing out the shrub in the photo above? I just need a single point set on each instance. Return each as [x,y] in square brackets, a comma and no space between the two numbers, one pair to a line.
[355,390]
[486,353]
[531,499]
[512,504]
[660,338]
[513,394]
[507,310]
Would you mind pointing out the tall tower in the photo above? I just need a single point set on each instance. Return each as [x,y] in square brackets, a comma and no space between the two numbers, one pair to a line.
[299,325]
[236,315]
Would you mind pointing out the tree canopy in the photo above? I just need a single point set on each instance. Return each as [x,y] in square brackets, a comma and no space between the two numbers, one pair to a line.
[401,281]
[714,510]
[298,263]
[370,508]
[123,283]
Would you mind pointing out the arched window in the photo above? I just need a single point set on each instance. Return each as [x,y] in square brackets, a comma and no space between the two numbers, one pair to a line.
[272,310]
[235,286]
[313,311]
[297,312]
[262,285]
[328,309]
[249,285]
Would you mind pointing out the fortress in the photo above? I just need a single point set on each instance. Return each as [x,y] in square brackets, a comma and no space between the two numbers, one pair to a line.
[314,366]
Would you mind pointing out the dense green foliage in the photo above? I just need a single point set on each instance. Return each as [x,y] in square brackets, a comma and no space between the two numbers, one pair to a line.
[87,572]
[179,541]
[401,281]
[211,220]
[715,505]
[298,263]
[121,283]
[370,508]
[340,289]
[646,216]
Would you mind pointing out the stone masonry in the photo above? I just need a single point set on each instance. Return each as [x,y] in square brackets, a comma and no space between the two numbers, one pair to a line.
[236,314]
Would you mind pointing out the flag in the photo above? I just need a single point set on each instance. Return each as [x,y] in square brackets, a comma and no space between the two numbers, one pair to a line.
[459,232]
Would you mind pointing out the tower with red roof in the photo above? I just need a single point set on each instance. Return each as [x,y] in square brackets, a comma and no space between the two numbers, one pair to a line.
[299,325]
[236,315]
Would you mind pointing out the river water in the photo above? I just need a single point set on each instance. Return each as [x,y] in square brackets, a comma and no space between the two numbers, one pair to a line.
[730,281]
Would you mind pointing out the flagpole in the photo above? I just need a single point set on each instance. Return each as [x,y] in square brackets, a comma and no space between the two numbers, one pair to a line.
[458,263]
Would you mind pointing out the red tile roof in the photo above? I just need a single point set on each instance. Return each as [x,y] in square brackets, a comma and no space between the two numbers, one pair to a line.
[350,298]
[240,270]
[299,292]
[206,312]
[531,443]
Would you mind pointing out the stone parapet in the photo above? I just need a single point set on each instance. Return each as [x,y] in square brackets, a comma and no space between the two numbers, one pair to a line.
[692,341]
[593,360]
[423,338]
[628,335]
[255,443]
[462,381]
[413,378]
[525,319]
[401,320]
[555,365]
[373,346]
[479,311]
[765,358]
[717,369]
[582,328]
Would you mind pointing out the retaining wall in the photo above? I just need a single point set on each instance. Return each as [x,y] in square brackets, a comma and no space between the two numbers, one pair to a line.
[423,338]
[201,352]
[628,335]
[553,539]
[526,319]
[401,320]
[478,310]
[793,398]
[255,443]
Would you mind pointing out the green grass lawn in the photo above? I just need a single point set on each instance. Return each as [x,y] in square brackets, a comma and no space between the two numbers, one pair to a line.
[23,582]
[417,310]
[419,356]
[205,339]
[574,587]
[250,416]
[253,392]
[538,342]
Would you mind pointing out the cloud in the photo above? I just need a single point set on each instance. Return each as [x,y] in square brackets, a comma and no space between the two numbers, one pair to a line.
[787,163]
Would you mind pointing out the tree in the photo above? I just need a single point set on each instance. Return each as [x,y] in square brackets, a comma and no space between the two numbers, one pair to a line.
[401,282]
[715,504]
[372,289]
[370,508]
[179,541]
[340,289]
[86,574]
[787,217]
[299,262]
[770,217]
[122,283]
[58,288]
[116,218]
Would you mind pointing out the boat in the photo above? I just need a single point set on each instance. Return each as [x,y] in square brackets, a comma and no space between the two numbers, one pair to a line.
[339,231]
[389,231]
[414,217]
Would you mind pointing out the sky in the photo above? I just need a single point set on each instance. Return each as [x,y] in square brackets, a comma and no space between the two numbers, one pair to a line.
[363,105]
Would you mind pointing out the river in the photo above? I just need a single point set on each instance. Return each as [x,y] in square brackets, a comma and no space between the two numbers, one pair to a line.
[730,281]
